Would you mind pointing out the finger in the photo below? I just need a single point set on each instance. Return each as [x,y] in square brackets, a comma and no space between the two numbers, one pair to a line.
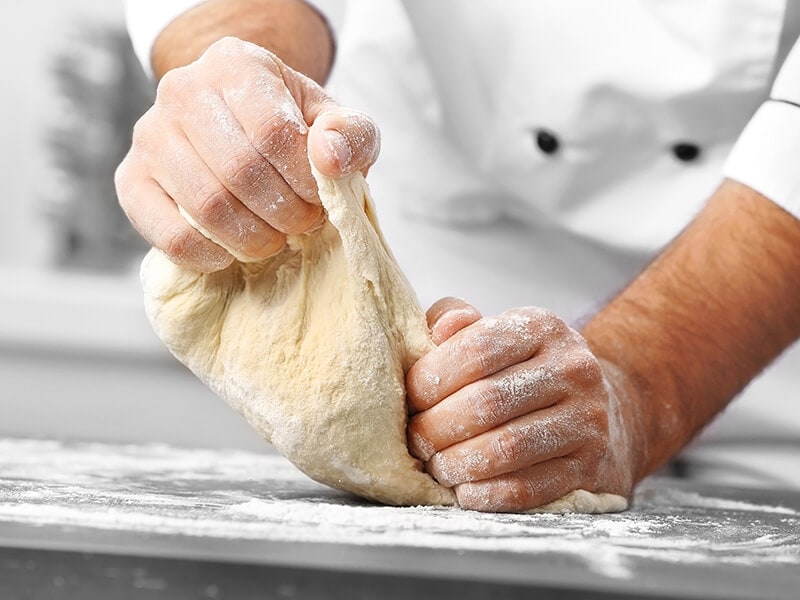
[269,101]
[242,164]
[518,444]
[486,404]
[342,141]
[185,177]
[164,228]
[448,316]
[525,489]
[483,348]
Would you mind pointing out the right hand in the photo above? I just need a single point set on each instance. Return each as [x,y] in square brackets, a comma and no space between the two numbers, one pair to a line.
[228,140]
[515,411]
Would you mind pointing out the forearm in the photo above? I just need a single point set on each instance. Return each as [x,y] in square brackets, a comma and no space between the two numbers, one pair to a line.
[291,29]
[705,318]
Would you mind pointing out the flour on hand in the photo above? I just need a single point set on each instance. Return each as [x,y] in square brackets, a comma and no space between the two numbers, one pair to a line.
[311,346]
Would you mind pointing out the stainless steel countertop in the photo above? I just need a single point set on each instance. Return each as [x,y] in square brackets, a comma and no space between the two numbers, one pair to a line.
[678,539]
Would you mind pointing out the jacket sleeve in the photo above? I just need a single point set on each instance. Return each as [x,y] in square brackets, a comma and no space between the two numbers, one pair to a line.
[766,157]
[146,19]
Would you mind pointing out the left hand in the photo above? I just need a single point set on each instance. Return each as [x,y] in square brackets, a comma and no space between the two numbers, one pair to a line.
[516,411]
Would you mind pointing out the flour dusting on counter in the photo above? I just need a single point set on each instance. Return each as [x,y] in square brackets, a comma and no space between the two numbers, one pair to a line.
[693,499]
[232,495]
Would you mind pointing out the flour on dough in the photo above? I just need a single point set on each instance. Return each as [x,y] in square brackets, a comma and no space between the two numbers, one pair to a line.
[311,346]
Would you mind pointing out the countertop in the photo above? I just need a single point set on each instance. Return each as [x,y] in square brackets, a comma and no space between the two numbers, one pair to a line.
[199,512]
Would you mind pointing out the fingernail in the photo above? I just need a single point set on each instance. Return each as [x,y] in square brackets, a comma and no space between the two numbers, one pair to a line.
[338,148]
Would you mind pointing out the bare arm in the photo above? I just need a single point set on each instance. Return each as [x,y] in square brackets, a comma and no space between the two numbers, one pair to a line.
[517,410]
[291,29]
[704,319]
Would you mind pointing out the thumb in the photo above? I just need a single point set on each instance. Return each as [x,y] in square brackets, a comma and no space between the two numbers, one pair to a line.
[342,141]
[448,316]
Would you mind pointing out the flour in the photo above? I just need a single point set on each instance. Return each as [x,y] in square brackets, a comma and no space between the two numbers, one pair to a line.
[232,497]
[696,500]
[519,385]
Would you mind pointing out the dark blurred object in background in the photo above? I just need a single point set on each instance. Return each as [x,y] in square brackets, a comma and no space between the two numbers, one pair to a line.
[103,91]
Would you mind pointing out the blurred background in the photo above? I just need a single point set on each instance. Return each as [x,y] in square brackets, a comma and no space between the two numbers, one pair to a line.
[77,357]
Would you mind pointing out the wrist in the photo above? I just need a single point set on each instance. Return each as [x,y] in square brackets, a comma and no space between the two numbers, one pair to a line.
[291,29]
[703,319]
[627,421]
[651,402]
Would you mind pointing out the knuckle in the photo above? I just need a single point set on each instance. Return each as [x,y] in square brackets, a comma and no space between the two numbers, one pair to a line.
[507,448]
[174,84]
[529,383]
[480,347]
[584,368]
[144,129]
[129,189]
[592,410]
[121,180]
[225,46]
[213,205]
[230,47]
[549,323]
[487,407]
[223,50]
[243,169]
[126,196]
[276,134]
[180,244]
[140,129]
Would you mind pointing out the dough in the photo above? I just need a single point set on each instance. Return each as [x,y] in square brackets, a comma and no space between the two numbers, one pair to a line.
[311,346]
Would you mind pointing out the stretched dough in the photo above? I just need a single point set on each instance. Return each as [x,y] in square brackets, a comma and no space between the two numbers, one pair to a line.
[311,346]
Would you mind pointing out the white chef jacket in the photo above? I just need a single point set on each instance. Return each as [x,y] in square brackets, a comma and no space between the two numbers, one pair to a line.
[543,152]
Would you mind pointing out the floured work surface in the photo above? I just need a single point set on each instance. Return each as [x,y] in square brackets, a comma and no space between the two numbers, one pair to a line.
[248,508]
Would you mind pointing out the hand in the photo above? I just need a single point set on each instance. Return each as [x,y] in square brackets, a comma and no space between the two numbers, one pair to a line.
[515,411]
[228,141]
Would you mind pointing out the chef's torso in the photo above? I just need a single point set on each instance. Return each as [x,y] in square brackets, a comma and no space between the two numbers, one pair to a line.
[542,152]
[610,119]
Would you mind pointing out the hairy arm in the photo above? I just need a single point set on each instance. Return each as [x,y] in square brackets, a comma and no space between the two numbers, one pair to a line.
[291,29]
[518,410]
[703,320]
